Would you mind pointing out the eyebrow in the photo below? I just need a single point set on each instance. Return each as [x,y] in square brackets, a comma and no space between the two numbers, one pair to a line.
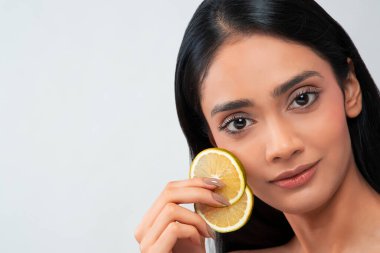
[232,105]
[283,88]
[278,91]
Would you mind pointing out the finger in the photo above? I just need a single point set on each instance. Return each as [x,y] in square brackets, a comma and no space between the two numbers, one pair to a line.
[205,182]
[174,186]
[196,190]
[172,213]
[180,196]
[176,231]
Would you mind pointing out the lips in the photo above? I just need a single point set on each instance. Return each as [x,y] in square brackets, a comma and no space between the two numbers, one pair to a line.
[295,177]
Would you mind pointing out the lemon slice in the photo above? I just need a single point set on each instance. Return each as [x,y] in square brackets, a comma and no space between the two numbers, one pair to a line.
[230,218]
[221,164]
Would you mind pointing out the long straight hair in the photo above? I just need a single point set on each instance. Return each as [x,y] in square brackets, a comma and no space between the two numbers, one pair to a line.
[301,21]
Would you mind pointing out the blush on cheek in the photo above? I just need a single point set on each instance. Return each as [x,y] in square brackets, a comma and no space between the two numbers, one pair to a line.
[330,127]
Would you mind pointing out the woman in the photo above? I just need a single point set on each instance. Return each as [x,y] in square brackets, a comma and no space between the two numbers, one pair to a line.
[281,85]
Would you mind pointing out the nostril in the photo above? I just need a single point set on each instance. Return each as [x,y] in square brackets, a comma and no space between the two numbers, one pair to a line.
[296,152]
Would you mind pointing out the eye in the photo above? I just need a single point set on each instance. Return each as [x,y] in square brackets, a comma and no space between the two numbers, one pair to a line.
[304,98]
[235,124]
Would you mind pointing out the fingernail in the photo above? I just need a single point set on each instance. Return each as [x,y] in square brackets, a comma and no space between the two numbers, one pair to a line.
[211,232]
[220,199]
[213,181]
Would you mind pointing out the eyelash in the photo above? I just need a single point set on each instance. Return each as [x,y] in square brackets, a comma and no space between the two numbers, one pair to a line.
[232,118]
[306,91]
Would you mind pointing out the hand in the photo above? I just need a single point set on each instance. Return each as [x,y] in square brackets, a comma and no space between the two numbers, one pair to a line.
[169,227]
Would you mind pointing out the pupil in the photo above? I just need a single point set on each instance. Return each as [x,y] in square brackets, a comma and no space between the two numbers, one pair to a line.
[240,123]
[302,99]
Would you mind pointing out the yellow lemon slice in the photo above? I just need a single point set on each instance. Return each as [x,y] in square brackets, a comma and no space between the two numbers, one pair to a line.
[230,218]
[221,164]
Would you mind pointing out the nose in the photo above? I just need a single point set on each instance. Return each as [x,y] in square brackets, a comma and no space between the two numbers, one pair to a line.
[283,143]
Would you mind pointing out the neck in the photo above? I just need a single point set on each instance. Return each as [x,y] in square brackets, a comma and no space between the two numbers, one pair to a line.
[344,224]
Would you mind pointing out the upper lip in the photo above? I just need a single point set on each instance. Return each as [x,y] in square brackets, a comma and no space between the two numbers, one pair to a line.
[294,172]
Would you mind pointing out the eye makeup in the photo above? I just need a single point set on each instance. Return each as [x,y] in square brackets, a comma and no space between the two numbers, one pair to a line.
[304,97]
[300,99]
[236,123]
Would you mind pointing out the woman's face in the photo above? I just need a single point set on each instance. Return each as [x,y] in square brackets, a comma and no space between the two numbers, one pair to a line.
[277,106]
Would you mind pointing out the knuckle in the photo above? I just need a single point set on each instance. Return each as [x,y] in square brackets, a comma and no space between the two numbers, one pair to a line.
[170,184]
[173,227]
[139,232]
[165,195]
[167,192]
[170,209]
[137,235]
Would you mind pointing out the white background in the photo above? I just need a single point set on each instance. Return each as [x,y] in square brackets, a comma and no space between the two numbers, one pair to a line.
[88,129]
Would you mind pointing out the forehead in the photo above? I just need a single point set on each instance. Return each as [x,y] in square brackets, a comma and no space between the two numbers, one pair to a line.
[257,62]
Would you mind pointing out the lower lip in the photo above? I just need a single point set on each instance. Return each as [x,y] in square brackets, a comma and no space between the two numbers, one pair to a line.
[298,180]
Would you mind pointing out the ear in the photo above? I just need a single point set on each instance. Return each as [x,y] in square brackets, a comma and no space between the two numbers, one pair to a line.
[352,92]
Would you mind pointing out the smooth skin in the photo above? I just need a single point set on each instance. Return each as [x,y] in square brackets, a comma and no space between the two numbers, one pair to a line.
[273,129]
[277,105]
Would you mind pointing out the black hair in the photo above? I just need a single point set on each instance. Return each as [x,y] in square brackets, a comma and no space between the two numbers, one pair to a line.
[301,21]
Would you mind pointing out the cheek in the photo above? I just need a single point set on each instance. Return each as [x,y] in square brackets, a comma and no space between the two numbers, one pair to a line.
[328,129]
